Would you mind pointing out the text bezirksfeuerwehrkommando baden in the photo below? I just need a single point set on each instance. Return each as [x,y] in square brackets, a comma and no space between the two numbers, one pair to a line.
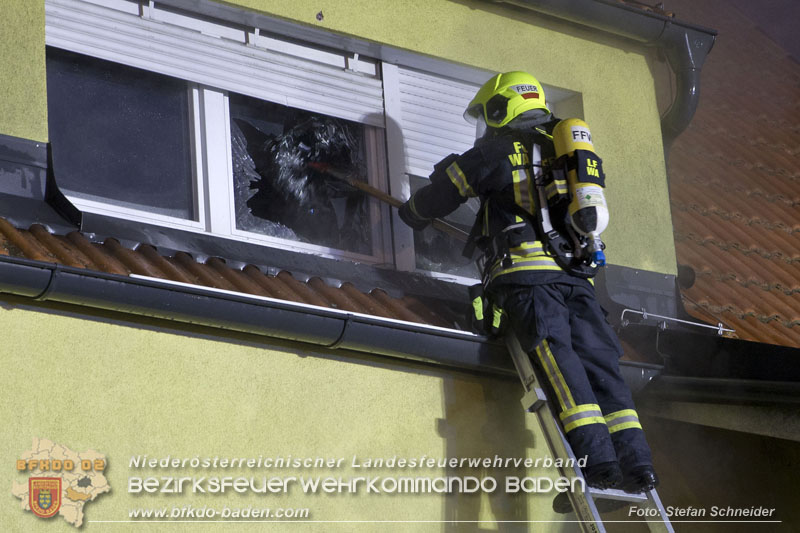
[404,483]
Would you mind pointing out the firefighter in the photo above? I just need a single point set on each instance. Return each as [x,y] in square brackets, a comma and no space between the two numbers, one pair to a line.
[534,273]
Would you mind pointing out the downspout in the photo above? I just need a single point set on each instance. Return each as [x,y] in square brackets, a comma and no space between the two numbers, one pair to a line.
[684,45]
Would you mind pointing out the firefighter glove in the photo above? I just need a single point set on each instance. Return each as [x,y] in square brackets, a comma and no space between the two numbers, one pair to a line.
[408,216]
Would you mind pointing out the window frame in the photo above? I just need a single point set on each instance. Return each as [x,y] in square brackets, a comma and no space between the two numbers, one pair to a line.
[198,192]
[228,29]
[212,176]
[225,209]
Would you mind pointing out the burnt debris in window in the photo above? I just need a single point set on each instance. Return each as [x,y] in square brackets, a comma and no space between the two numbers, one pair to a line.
[278,194]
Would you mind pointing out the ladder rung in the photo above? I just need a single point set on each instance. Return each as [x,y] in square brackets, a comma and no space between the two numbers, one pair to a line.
[616,494]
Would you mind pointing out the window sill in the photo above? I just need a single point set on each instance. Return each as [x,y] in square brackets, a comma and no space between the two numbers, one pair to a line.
[272,259]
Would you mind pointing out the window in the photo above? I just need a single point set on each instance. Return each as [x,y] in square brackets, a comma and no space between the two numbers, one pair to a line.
[210,128]
[131,146]
[191,114]
[278,194]
[429,111]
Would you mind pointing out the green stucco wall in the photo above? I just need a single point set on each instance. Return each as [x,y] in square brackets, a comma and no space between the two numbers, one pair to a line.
[23,101]
[126,390]
[618,91]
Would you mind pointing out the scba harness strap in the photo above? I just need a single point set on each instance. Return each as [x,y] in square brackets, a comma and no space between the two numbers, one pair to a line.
[556,245]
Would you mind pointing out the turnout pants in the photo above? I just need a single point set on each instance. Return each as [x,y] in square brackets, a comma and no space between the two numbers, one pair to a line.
[564,330]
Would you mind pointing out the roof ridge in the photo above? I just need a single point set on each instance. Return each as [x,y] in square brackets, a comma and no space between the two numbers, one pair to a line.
[728,245]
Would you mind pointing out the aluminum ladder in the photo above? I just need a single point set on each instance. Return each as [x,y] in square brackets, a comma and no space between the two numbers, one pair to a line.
[583,503]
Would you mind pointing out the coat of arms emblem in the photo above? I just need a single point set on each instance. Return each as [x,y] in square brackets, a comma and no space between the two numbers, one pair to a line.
[44,496]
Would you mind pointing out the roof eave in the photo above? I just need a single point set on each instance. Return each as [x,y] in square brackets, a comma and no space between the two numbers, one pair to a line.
[246,313]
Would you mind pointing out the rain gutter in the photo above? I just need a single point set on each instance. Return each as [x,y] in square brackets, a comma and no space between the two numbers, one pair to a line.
[257,315]
[245,313]
[684,45]
[724,391]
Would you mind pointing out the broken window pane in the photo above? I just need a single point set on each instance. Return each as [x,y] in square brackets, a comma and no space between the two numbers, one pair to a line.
[279,195]
[438,252]
[120,135]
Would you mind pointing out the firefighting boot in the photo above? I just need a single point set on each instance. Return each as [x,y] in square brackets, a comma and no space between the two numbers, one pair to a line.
[640,479]
[603,475]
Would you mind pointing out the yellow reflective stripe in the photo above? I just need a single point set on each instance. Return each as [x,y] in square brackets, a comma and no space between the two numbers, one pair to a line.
[562,393]
[549,268]
[618,414]
[477,306]
[530,188]
[544,263]
[584,422]
[556,187]
[583,408]
[531,256]
[624,419]
[497,317]
[522,191]
[459,180]
[486,218]
[627,425]
[534,254]
[530,246]
[569,401]
[580,415]
[535,261]
[554,375]
[517,194]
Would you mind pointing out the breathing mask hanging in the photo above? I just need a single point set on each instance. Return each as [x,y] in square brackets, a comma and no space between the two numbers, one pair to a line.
[480,128]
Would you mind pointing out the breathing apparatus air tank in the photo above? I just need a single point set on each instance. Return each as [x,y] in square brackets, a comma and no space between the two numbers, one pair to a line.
[587,208]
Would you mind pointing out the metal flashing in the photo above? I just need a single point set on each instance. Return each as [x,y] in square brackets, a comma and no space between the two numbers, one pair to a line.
[23,151]
[26,181]
[302,265]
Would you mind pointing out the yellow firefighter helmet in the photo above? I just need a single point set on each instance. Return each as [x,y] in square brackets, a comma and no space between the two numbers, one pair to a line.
[504,97]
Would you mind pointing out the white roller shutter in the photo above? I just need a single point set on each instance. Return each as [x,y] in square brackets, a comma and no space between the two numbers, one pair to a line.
[431,118]
[213,61]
